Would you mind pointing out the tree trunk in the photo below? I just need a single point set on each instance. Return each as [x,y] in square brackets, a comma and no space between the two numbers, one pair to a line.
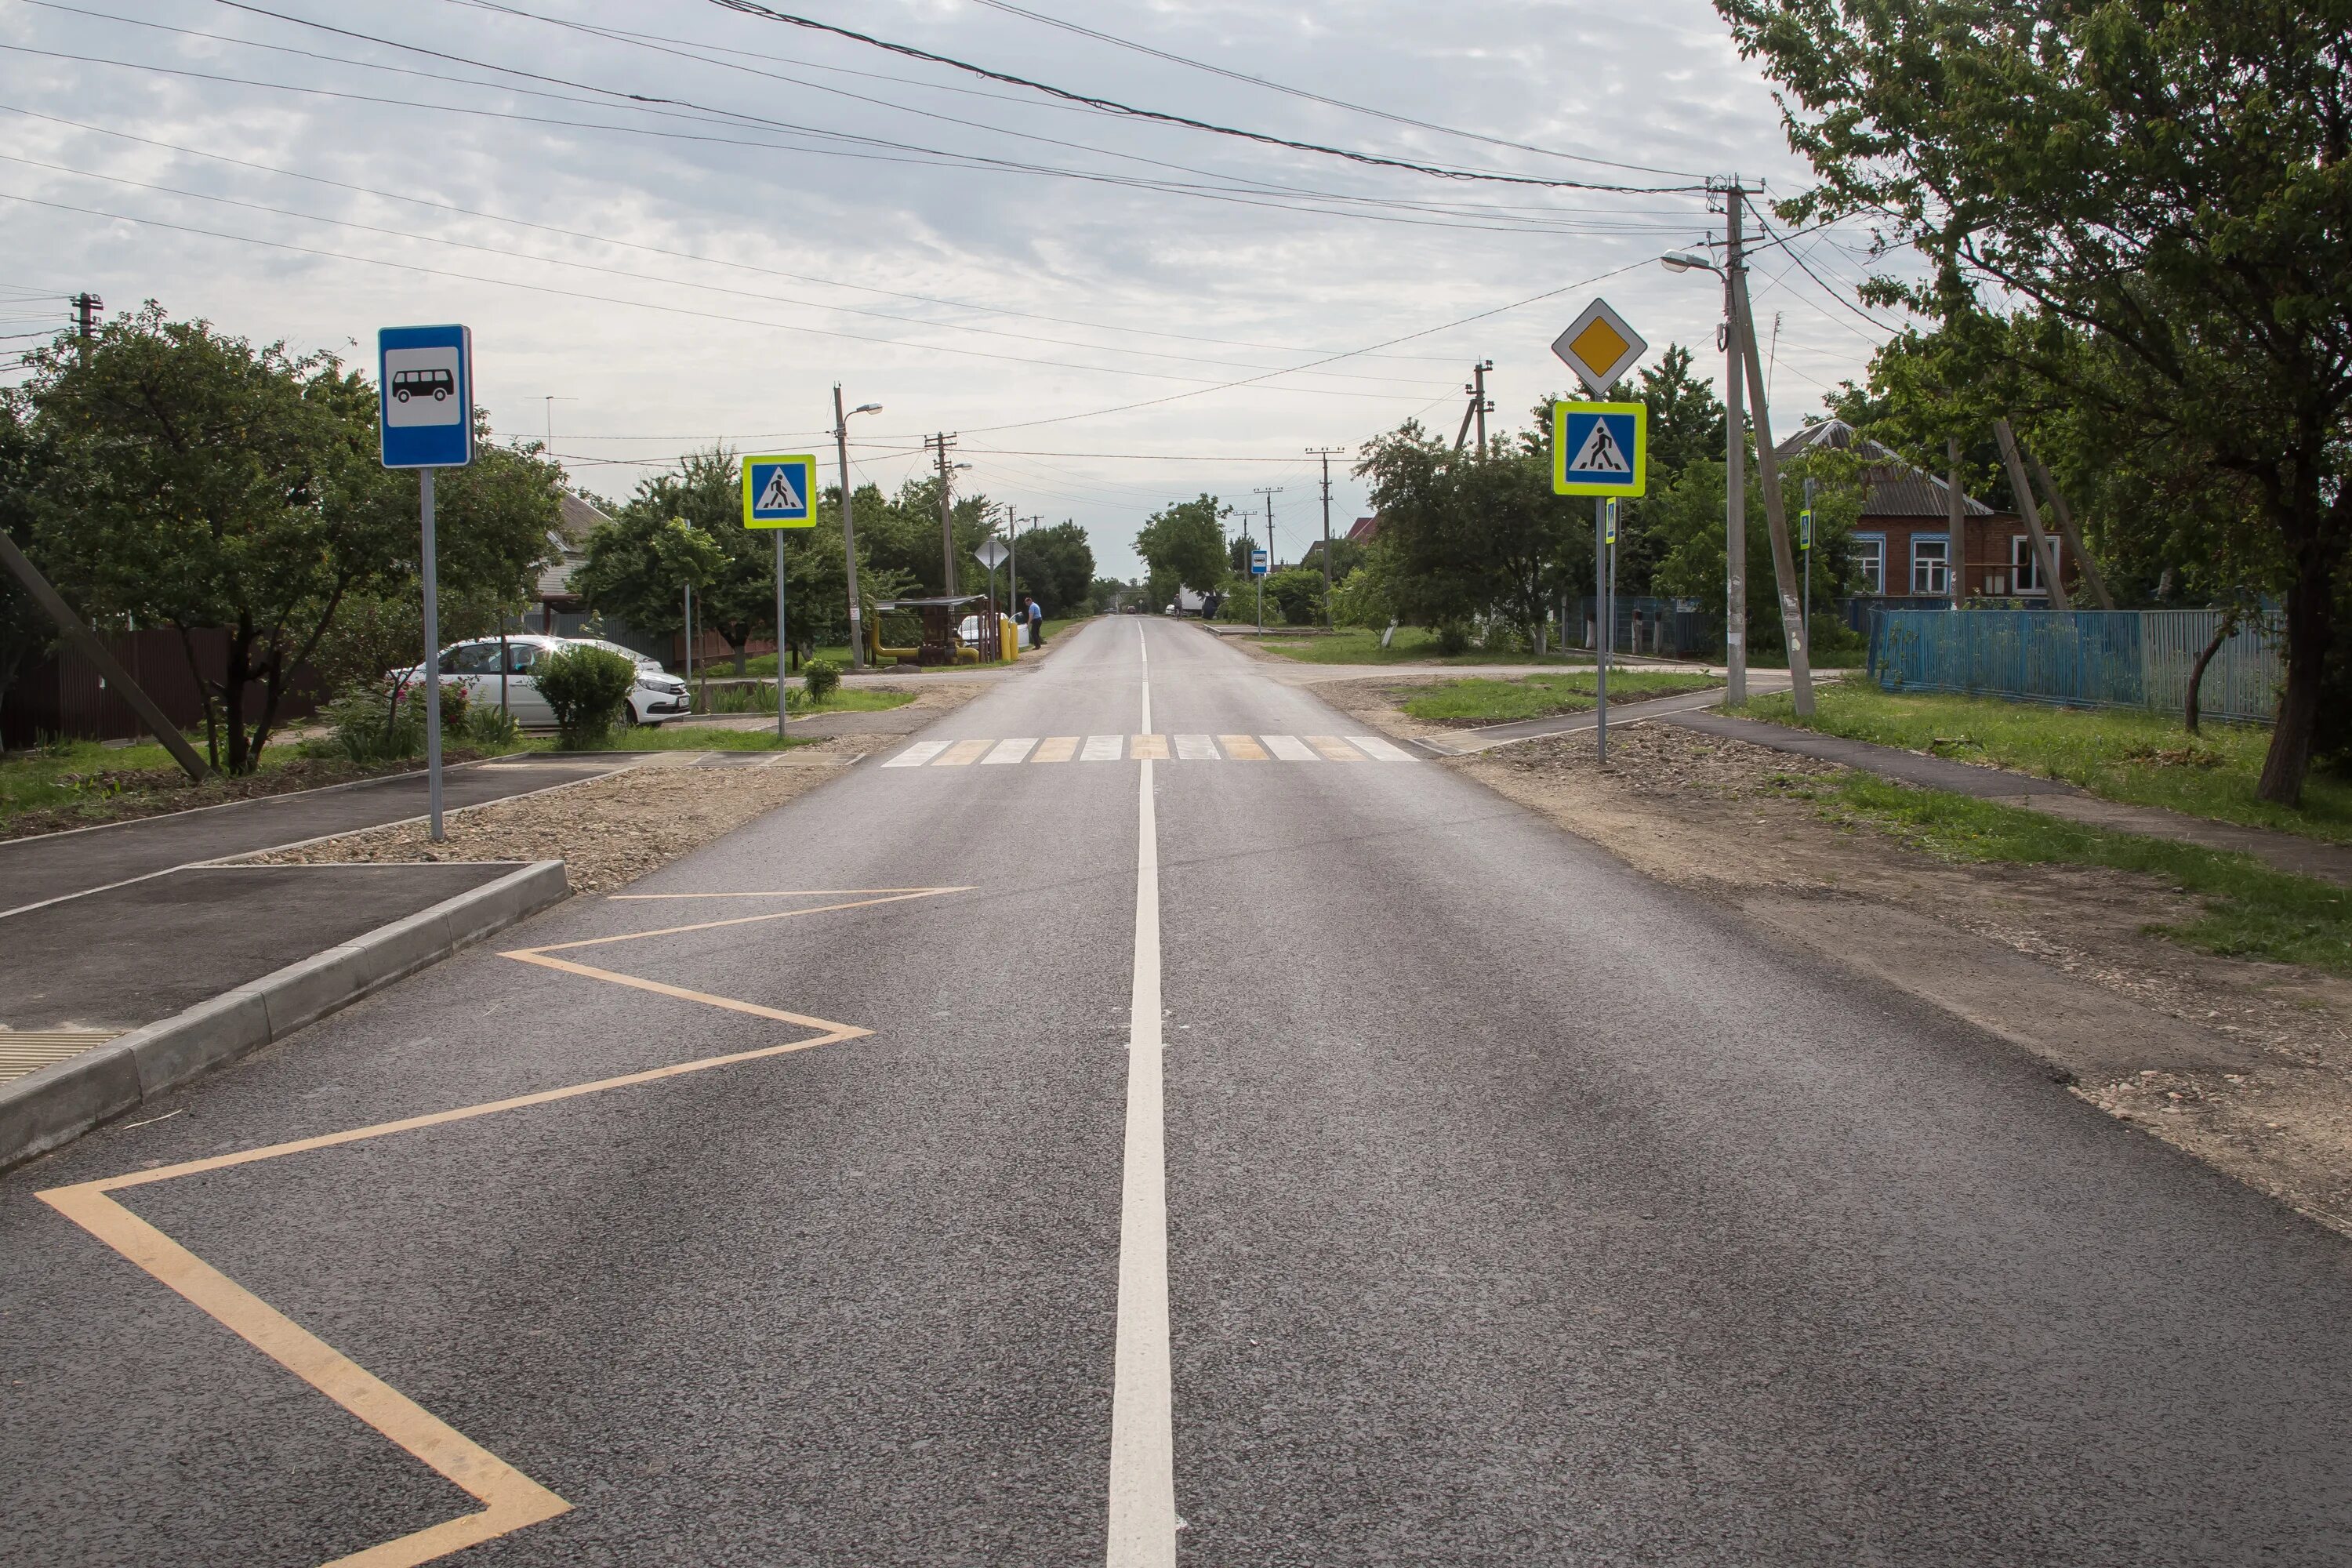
[239,668]
[2310,630]
[2190,710]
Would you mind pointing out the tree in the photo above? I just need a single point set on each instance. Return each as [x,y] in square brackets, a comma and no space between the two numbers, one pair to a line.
[737,595]
[1468,535]
[26,633]
[639,564]
[1058,565]
[1297,593]
[1183,543]
[2144,209]
[199,482]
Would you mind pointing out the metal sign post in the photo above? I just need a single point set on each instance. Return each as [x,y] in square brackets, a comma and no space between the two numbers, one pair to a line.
[1601,450]
[425,388]
[780,492]
[1259,562]
[1805,554]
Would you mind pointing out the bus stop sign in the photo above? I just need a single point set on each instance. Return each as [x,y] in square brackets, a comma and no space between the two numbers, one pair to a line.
[425,382]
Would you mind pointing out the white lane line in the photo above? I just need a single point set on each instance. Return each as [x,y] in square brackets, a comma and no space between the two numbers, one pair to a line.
[916,755]
[1142,1428]
[1380,750]
[1196,749]
[1011,750]
[1104,749]
[1290,748]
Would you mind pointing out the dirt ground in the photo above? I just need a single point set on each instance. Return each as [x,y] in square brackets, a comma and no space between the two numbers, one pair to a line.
[610,831]
[2244,1064]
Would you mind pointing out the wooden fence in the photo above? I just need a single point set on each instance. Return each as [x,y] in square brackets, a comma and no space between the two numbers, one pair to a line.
[64,696]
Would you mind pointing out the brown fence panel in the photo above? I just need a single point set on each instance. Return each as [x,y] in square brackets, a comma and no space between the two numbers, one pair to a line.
[63,695]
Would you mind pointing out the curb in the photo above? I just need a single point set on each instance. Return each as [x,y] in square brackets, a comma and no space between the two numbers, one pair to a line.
[46,1110]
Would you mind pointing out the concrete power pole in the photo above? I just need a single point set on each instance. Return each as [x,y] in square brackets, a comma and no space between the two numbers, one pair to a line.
[941,444]
[85,309]
[1479,408]
[1735,464]
[1326,454]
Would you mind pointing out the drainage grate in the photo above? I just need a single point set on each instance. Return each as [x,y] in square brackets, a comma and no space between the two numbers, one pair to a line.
[30,1050]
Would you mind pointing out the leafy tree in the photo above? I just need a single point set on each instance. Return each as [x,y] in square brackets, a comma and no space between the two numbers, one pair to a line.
[1058,565]
[2144,210]
[26,633]
[1297,593]
[1183,543]
[902,535]
[736,594]
[1469,534]
[198,481]
[639,564]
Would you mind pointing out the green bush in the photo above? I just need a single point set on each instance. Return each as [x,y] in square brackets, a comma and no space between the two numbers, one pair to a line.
[490,728]
[822,677]
[1453,638]
[587,689]
[366,725]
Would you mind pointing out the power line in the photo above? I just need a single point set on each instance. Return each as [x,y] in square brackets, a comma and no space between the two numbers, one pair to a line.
[751,8]
[1116,42]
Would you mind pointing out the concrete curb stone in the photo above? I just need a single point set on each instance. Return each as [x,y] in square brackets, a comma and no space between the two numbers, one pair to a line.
[50,1107]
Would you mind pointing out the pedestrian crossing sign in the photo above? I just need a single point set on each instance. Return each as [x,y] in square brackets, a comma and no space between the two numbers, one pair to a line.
[777,492]
[1599,448]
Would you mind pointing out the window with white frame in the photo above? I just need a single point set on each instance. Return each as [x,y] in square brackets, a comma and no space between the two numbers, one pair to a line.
[2029,575]
[1870,561]
[1931,564]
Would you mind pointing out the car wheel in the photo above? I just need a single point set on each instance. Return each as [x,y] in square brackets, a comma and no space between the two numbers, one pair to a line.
[633,719]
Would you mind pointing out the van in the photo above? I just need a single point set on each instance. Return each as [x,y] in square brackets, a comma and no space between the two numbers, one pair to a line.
[437,385]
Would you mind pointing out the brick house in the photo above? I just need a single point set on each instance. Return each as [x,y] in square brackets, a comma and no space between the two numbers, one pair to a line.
[1903,538]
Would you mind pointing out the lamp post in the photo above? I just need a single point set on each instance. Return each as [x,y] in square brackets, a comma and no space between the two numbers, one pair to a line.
[1735,468]
[848,538]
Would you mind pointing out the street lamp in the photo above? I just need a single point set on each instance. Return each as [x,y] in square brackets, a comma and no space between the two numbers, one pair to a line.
[1735,462]
[848,538]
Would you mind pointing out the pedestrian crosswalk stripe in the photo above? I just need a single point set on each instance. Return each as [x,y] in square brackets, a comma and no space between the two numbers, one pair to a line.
[1020,748]
[1379,750]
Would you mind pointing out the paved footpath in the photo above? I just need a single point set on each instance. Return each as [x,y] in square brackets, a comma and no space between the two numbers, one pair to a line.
[1160,1158]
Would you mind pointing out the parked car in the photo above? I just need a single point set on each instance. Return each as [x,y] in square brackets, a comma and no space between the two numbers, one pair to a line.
[475,666]
[968,630]
[644,661]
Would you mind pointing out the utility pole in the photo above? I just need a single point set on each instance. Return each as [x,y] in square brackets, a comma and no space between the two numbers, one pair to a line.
[85,309]
[1270,492]
[551,399]
[1735,463]
[940,443]
[1793,632]
[848,530]
[1479,406]
[1326,454]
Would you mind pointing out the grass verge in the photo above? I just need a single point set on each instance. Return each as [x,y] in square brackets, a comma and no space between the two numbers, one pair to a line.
[1410,645]
[2250,909]
[1488,700]
[2140,758]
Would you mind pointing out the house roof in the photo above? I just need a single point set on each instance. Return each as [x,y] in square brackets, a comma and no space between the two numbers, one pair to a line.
[1893,488]
[575,519]
[1362,529]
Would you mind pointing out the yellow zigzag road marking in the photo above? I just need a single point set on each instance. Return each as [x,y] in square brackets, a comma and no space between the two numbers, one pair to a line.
[511,1501]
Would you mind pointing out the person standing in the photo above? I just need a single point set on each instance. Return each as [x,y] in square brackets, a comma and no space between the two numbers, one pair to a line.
[1036,624]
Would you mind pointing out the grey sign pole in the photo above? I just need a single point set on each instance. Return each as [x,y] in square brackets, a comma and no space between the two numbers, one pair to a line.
[432,682]
[783,643]
[1600,629]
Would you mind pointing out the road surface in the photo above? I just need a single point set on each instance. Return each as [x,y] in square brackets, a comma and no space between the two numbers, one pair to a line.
[1454,1196]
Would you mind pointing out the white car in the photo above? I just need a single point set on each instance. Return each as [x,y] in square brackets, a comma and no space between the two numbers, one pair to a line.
[475,666]
[968,630]
[644,662]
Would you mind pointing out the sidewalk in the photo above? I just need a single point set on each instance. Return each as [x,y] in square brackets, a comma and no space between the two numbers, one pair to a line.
[2287,851]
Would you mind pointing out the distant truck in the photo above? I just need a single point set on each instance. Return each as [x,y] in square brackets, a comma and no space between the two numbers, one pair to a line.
[1189,603]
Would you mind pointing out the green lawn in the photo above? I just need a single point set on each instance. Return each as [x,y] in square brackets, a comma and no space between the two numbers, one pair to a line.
[2250,911]
[1487,700]
[2142,759]
[765,664]
[1411,645]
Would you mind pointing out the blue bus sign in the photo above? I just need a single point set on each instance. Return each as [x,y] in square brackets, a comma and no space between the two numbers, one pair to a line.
[1257,564]
[424,378]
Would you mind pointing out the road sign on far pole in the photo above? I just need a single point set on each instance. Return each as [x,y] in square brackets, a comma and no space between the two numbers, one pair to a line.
[1257,564]
[425,395]
[778,492]
[1599,448]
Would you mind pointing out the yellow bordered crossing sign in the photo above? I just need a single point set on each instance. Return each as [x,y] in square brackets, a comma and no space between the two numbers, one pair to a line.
[1599,448]
[779,491]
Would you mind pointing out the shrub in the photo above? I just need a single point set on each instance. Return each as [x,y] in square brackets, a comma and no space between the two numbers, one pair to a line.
[1453,638]
[586,687]
[490,728]
[822,677]
[366,725]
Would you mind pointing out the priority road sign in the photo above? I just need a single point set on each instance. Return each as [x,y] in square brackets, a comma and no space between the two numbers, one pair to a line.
[1600,347]
[1257,564]
[991,553]
[424,387]
[777,492]
[1599,448]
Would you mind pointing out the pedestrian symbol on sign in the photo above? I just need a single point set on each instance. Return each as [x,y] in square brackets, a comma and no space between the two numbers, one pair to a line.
[1602,455]
[778,495]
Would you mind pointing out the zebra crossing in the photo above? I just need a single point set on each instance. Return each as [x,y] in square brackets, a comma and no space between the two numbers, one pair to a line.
[1031,751]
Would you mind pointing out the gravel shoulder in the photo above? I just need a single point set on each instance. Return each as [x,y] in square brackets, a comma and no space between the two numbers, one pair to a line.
[610,831]
[2244,1064]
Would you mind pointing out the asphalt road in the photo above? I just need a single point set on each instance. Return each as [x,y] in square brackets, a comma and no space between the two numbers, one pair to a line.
[1517,1210]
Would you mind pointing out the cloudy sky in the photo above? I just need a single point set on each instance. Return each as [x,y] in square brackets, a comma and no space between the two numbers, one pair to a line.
[683,222]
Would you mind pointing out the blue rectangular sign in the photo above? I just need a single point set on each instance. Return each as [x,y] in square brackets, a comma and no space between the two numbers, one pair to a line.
[424,380]
[1257,562]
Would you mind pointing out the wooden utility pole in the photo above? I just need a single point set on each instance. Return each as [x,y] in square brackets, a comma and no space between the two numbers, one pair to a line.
[940,443]
[2044,557]
[2092,575]
[1326,454]
[1793,630]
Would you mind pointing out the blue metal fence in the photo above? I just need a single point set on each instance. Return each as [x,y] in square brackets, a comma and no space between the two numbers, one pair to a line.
[2087,659]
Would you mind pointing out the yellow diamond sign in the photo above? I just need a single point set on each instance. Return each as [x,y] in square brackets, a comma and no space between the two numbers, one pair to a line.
[1600,347]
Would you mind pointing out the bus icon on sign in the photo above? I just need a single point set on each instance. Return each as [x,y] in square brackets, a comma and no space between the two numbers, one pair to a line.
[437,384]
